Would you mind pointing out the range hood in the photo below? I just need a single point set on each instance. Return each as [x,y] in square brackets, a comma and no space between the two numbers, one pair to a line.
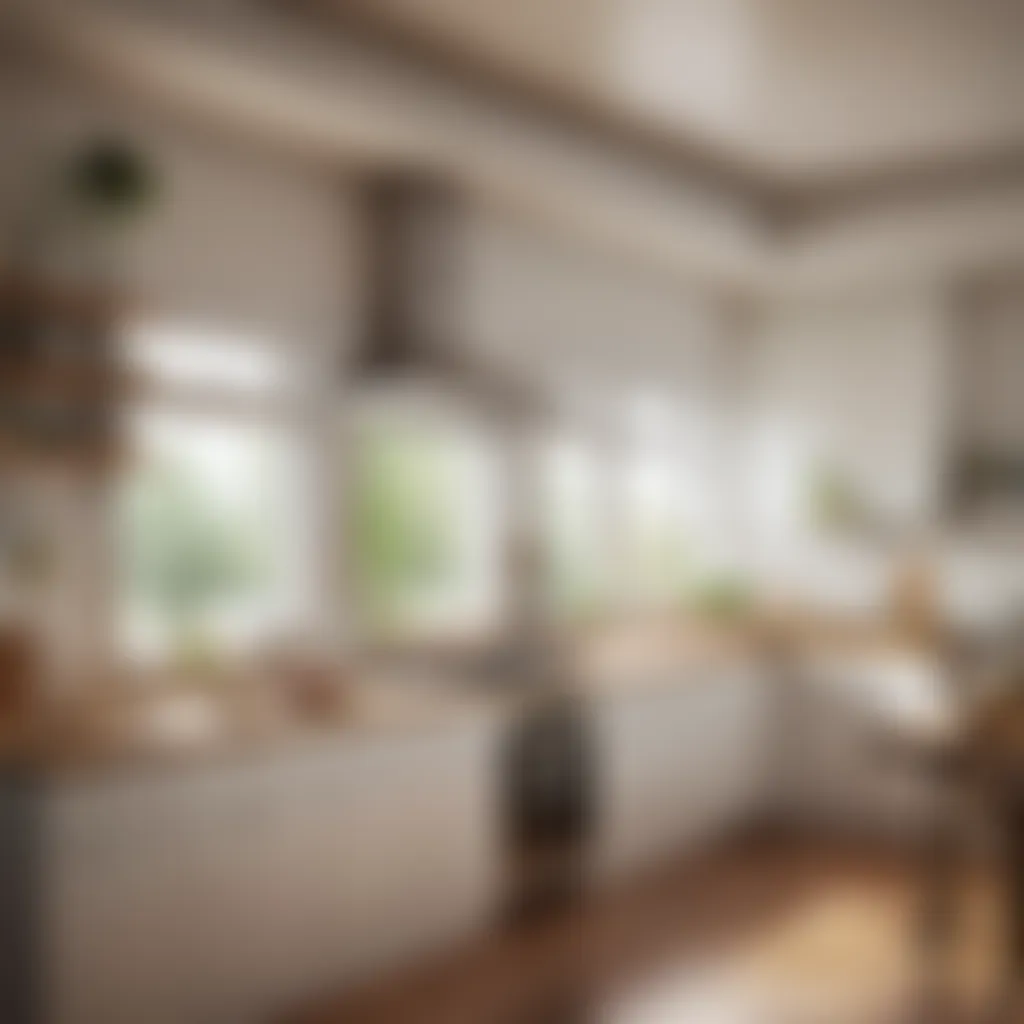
[414,350]
[413,338]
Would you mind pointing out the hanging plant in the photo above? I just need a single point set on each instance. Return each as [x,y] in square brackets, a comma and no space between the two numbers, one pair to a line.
[104,187]
[75,211]
[109,183]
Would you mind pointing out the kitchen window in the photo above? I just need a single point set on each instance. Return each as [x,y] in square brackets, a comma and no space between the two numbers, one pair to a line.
[655,542]
[425,529]
[625,503]
[207,511]
[662,484]
[575,511]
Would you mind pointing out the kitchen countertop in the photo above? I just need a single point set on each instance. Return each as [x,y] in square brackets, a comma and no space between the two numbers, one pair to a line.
[185,728]
[188,730]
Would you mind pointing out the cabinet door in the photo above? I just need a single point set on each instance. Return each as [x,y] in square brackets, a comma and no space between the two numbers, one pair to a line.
[123,878]
[678,765]
[648,787]
[732,728]
[231,895]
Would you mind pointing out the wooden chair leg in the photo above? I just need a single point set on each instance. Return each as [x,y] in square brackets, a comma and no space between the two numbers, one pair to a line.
[939,917]
[1009,1008]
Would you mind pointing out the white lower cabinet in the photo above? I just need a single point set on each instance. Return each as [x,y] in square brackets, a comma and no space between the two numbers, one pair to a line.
[233,894]
[678,766]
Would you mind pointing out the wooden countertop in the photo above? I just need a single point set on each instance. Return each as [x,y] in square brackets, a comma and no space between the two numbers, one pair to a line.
[194,727]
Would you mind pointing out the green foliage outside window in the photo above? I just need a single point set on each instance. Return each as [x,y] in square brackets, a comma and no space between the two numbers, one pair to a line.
[187,555]
[577,588]
[405,523]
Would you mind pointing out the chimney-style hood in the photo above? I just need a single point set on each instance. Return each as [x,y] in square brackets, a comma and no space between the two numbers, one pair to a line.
[412,224]
[414,346]
[415,231]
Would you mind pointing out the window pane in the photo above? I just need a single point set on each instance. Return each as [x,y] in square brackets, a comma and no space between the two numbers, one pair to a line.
[575,505]
[658,503]
[206,528]
[656,543]
[426,529]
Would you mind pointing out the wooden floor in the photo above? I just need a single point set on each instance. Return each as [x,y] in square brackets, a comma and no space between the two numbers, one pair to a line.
[770,933]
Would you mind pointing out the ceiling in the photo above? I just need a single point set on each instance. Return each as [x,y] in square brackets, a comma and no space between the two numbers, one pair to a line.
[804,91]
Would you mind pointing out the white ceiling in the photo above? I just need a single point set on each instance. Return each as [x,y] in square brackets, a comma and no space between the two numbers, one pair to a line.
[801,88]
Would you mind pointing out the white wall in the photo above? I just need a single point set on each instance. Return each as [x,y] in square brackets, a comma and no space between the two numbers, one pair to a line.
[573,312]
[991,355]
[859,384]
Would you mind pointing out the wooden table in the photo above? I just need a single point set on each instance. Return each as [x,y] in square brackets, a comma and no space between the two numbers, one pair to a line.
[978,770]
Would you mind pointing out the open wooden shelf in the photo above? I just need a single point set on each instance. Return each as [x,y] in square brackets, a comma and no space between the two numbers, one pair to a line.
[53,297]
[62,382]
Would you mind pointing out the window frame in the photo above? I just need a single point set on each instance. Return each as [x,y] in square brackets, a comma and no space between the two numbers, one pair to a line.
[277,407]
[418,413]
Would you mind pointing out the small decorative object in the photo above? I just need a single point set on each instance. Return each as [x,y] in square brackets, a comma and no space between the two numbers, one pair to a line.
[197,657]
[721,598]
[18,672]
[835,504]
[914,601]
[314,689]
[306,680]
